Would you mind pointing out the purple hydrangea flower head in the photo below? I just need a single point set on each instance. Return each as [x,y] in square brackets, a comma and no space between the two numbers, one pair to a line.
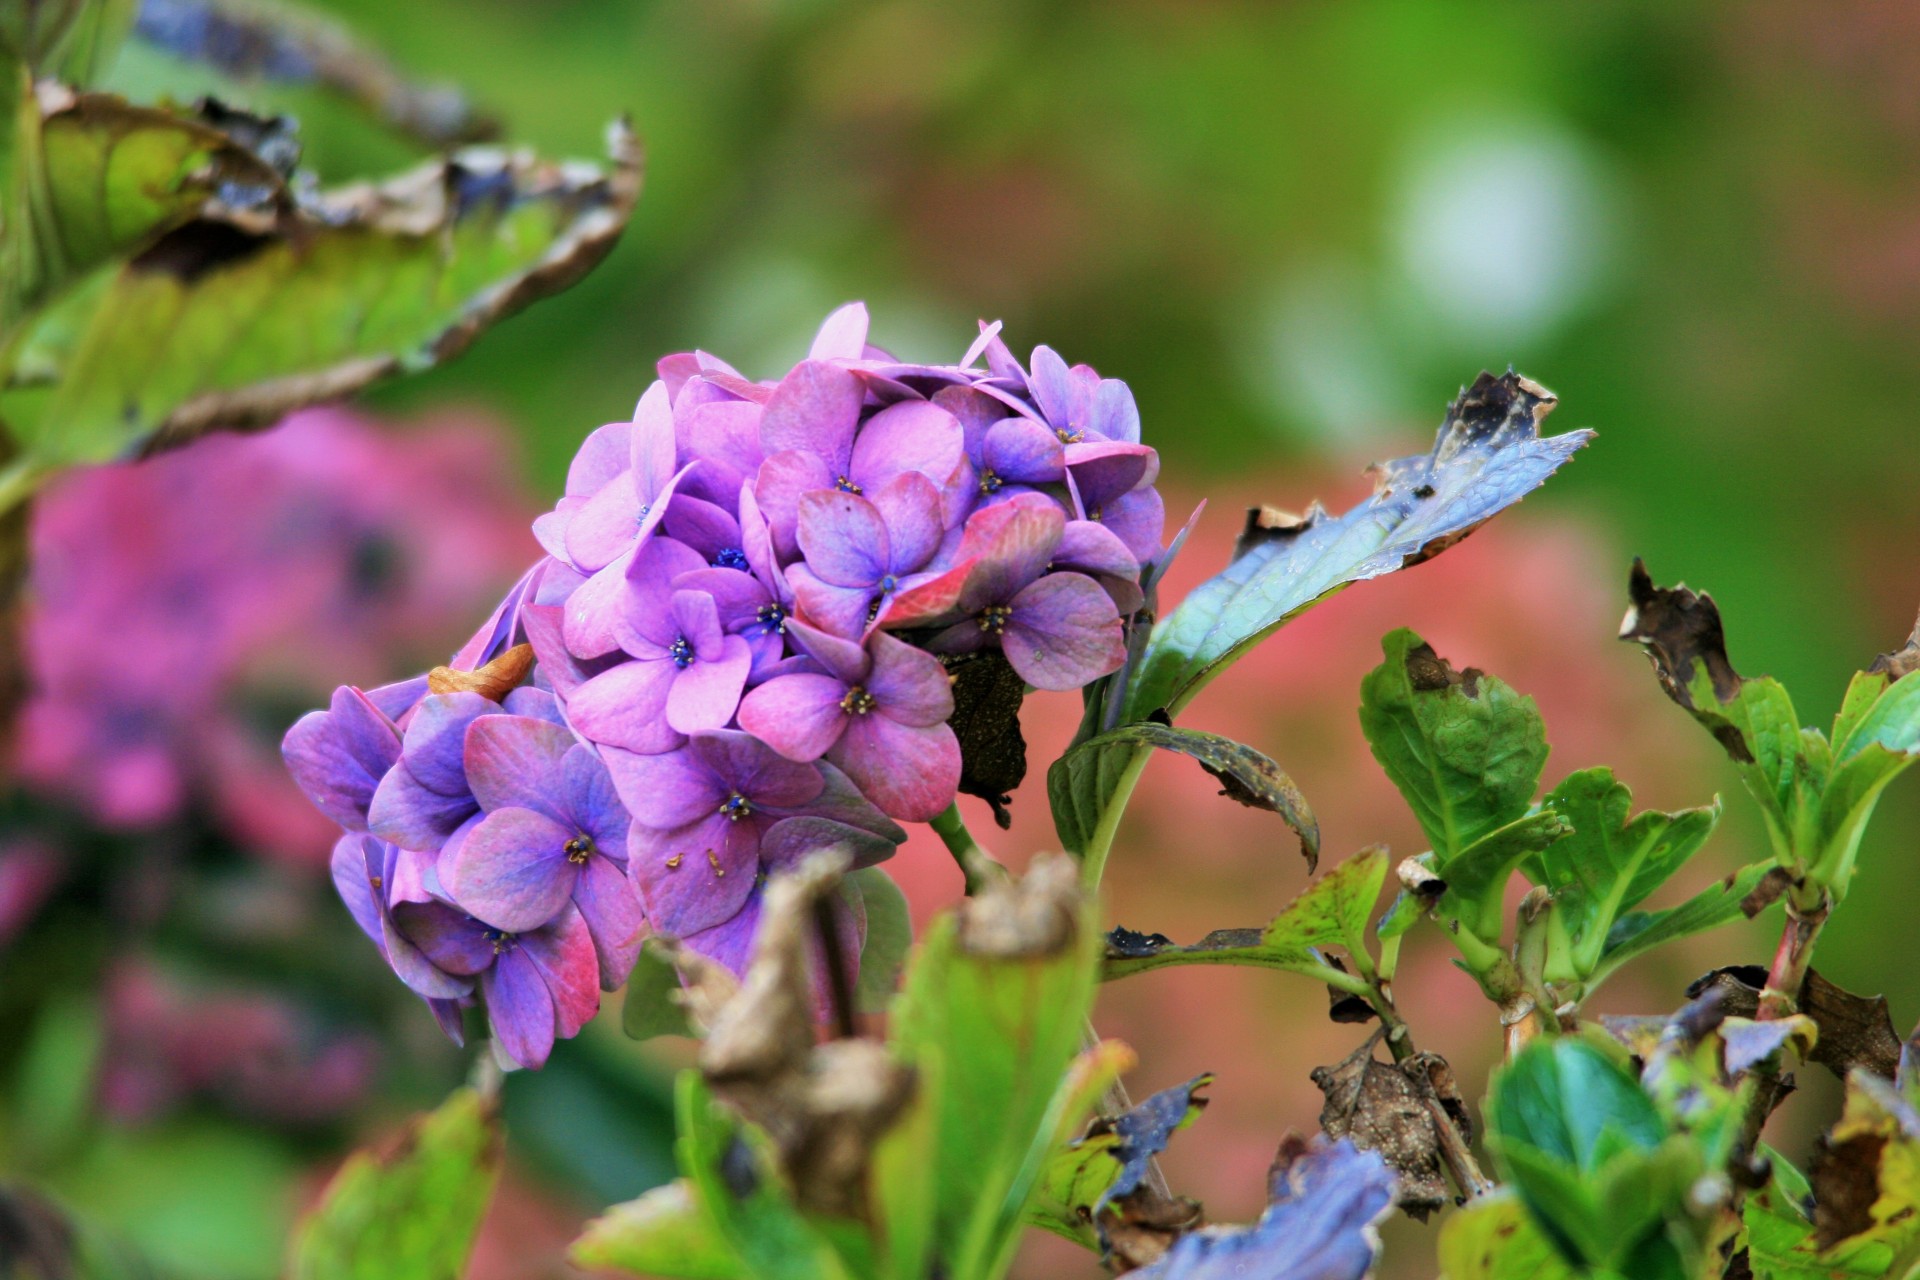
[878,711]
[552,831]
[709,816]
[1059,630]
[686,673]
[338,756]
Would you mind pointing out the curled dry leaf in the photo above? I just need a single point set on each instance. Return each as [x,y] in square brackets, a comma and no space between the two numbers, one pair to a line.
[1681,632]
[1035,916]
[824,1106]
[1390,1107]
[1854,1030]
[1137,1221]
[1902,661]
[494,681]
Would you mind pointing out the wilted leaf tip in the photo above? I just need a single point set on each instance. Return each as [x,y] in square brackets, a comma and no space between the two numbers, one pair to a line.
[1679,627]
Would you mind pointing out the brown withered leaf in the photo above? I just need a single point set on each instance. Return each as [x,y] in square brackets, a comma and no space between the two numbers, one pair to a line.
[494,681]
[1855,1031]
[1680,629]
[1845,1175]
[987,693]
[824,1106]
[1136,1220]
[1389,1107]
[1763,895]
[1899,662]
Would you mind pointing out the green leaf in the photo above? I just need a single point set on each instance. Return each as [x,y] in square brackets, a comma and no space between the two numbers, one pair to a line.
[1083,783]
[889,936]
[1780,1235]
[1477,876]
[1637,932]
[739,1189]
[258,303]
[994,1008]
[1332,911]
[1487,456]
[1493,1238]
[651,1007]
[1463,748]
[663,1233]
[1610,863]
[411,1214]
[1585,1149]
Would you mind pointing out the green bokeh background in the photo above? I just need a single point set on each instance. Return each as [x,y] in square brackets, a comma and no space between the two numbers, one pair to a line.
[1295,229]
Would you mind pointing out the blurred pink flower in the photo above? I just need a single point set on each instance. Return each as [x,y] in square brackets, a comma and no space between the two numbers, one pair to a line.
[179,604]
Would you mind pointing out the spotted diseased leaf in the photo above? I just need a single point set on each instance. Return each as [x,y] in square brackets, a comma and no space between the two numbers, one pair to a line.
[1865,1175]
[1494,1238]
[1325,1204]
[1083,782]
[1097,1190]
[1396,1108]
[1609,863]
[171,281]
[1488,455]
[411,1213]
[1779,1235]
[1332,911]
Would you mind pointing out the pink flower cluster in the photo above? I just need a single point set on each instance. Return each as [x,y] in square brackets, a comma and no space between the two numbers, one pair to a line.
[742,631]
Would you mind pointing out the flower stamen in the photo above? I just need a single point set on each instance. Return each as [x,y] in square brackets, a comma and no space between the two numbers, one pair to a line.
[858,701]
[993,619]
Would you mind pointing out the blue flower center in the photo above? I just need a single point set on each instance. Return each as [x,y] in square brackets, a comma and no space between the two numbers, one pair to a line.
[990,483]
[858,701]
[845,484]
[578,849]
[1067,435]
[888,584]
[731,558]
[501,940]
[769,620]
[993,619]
[735,807]
[681,651]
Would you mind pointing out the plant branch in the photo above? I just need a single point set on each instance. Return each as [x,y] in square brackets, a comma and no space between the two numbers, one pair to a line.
[1788,973]
[1093,862]
[977,867]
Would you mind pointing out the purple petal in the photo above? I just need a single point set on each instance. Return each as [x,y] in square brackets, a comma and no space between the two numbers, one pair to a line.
[653,451]
[1103,471]
[909,773]
[1114,414]
[338,756]
[512,870]
[755,770]
[626,707]
[1021,451]
[725,436]
[841,801]
[1010,545]
[563,954]
[355,865]
[605,526]
[696,620]
[837,656]
[412,816]
[520,1008]
[614,919]
[756,539]
[594,611]
[434,747]
[665,791]
[395,700]
[705,694]
[545,626]
[1064,633]
[1000,361]
[1137,519]
[914,435]
[988,332]
[703,526]
[909,506]
[814,409]
[514,762]
[592,805]
[792,839]
[696,876]
[799,716]
[730,942]
[738,597]
[1091,547]
[841,611]
[644,626]
[908,684]
[603,455]
[784,479]
[1052,387]
[443,937]
[844,538]
[843,336]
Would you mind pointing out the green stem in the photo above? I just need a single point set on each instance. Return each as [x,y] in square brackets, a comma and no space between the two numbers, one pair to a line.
[1093,860]
[977,866]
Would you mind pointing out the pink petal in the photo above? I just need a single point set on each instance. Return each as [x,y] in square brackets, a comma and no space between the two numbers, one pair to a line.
[605,526]
[910,774]
[705,695]
[626,707]
[914,435]
[843,336]
[664,791]
[911,685]
[1064,633]
[799,716]
[697,876]
[844,538]
[910,508]
[603,455]
[593,611]
[814,409]
[611,909]
[513,761]
[563,954]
